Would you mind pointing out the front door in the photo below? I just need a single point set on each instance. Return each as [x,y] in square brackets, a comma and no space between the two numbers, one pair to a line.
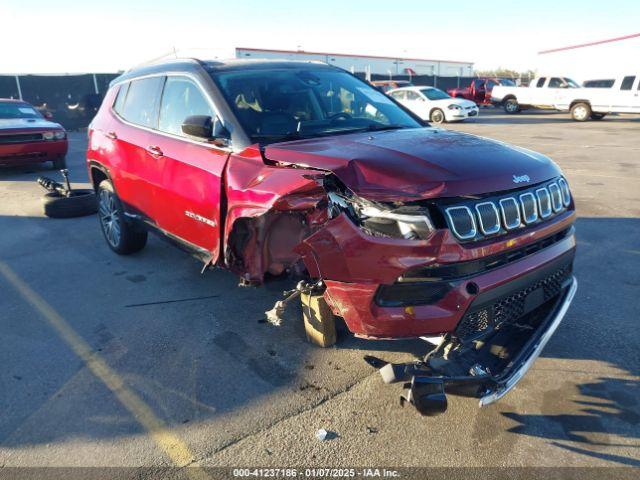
[191,183]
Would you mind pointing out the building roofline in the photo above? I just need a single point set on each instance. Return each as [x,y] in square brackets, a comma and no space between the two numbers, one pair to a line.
[350,55]
[590,44]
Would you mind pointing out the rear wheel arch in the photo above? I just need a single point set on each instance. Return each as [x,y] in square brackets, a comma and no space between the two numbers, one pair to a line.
[97,174]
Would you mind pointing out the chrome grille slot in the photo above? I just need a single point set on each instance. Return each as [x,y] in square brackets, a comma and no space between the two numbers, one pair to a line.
[488,218]
[544,202]
[566,195]
[529,208]
[556,197]
[477,218]
[510,213]
[462,222]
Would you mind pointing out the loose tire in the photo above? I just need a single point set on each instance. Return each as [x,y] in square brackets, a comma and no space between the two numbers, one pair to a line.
[59,163]
[79,204]
[597,116]
[122,237]
[581,112]
[511,106]
[437,116]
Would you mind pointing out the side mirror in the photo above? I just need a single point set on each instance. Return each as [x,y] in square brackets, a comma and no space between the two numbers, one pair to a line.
[47,115]
[199,126]
[206,128]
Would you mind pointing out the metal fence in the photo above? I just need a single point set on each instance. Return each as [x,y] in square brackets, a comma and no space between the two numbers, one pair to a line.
[73,100]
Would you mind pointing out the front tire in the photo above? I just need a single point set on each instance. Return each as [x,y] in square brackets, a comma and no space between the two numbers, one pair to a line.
[121,236]
[436,116]
[511,106]
[581,112]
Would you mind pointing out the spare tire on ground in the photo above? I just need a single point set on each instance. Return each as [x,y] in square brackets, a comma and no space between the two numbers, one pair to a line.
[81,202]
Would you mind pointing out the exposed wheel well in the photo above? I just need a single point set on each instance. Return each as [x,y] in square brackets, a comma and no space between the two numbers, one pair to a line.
[509,97]
[97,176]
[574,102]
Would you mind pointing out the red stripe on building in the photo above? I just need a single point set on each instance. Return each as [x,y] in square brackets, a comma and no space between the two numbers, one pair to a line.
[590,44]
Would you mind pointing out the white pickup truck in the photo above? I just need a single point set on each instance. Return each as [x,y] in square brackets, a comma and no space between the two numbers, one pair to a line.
[564,94]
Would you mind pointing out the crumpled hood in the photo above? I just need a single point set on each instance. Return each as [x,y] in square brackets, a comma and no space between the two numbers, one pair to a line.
[411,164]
[27,124]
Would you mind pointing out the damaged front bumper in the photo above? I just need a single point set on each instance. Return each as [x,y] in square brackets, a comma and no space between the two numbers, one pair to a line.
[490,365]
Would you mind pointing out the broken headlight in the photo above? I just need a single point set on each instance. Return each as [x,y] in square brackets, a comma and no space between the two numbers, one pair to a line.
[406,221]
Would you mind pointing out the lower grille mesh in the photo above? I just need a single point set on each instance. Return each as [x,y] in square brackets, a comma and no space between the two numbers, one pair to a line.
[511,308]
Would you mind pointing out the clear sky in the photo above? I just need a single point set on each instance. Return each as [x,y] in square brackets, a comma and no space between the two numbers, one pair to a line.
[56,36]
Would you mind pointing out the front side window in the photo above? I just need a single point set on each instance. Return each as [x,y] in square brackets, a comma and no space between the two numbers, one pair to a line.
[399,95]
[181,98]
[11,110]
[570,83]
[141,103]
[555,82]
[541,81]
[277,104]
[434,94]
[627,83]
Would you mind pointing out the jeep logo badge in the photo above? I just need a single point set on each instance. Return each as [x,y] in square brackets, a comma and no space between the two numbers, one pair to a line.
[521,178]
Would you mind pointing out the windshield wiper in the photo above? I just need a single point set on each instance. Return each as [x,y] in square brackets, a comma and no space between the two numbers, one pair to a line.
[379,128]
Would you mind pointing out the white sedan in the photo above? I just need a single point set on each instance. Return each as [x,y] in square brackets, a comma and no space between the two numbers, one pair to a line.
[434,105]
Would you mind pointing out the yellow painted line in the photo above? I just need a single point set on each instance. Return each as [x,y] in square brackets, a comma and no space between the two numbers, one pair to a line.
[173,446]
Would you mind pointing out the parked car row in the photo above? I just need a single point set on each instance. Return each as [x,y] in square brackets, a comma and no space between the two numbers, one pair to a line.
[597,99]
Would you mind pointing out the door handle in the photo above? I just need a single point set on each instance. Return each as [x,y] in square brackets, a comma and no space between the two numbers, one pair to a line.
[154,151]
[111,135]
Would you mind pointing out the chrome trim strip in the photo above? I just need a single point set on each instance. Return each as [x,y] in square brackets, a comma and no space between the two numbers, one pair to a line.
[504,217]
[535,208]
[554,187]
[474,230]
[516,376]
[496,227]
[543,213]
[566,194]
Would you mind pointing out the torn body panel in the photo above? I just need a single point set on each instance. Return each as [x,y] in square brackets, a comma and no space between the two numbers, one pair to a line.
[270,210]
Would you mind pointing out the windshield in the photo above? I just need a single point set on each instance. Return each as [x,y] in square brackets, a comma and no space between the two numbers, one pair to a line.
[507,83]
[10,110]
[434,94]
[282,104]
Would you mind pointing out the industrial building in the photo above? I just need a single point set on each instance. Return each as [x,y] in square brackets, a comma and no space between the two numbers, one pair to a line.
[368,64]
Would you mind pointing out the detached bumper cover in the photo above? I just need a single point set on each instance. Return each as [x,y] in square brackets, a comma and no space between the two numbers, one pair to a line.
[426,390]
[503,386]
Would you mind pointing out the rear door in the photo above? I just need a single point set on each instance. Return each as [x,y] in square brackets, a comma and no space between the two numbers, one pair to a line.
[133,172]
[625,99]
[189,190]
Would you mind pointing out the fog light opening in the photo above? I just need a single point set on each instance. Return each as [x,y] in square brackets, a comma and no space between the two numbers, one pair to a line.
[473,288]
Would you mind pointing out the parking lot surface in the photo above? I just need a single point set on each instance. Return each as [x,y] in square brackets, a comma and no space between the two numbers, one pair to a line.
[143,361]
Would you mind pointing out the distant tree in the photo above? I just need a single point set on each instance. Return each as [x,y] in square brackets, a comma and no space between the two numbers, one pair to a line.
[506,73]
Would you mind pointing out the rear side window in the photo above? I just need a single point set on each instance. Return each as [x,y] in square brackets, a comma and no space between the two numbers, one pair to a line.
[122,95]
[181,98]
[627,83]
[599,83]
[141,104]
[541,82]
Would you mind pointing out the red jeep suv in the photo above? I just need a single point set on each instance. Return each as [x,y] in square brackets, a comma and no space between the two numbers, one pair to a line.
[269,168]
